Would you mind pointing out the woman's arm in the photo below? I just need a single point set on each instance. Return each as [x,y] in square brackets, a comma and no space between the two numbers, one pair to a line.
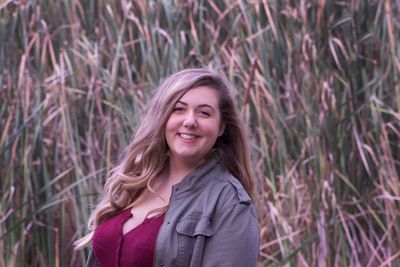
[91,261]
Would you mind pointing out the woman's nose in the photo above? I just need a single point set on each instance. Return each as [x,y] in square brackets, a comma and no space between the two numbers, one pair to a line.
[190,121]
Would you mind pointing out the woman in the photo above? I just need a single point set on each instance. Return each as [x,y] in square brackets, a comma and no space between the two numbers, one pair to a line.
[183,194]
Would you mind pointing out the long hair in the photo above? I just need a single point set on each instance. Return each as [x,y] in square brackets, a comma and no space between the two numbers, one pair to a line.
[146,155]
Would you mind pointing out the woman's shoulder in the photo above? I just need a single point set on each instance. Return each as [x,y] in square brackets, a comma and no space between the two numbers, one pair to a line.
[229,186]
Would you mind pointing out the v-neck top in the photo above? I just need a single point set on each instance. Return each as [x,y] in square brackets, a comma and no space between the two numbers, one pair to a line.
[135,248]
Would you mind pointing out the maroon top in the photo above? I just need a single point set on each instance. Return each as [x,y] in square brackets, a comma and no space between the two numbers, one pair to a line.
[134,248]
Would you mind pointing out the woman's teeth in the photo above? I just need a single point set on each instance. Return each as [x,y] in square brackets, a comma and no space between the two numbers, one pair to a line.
[187,136]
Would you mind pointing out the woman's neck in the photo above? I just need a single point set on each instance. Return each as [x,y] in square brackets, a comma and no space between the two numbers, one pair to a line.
[178,169]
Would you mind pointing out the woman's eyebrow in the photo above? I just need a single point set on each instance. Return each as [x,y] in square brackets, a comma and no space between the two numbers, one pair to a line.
[206,106]
[181,102]
[199,106]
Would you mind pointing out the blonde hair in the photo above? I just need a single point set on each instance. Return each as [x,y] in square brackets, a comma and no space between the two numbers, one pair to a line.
[146,155]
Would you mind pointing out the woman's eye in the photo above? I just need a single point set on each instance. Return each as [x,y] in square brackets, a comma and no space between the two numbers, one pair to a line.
[177,109]
[205,113]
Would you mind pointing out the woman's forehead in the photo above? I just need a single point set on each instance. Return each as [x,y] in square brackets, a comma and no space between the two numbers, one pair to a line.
[201,95]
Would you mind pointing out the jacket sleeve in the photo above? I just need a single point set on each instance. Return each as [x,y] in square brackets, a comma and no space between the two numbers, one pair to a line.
[235,240]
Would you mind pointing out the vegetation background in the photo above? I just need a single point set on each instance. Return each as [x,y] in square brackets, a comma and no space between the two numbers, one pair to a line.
[317,81]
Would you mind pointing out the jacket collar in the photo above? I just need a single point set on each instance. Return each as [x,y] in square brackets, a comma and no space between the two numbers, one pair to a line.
[196,179]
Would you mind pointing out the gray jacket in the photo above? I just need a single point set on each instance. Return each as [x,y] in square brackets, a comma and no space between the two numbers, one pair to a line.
[210,222]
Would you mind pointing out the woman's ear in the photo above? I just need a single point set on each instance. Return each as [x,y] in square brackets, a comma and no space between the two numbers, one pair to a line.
[221,129]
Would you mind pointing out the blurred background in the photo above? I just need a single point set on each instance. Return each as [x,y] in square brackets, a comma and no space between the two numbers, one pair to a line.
[317,82]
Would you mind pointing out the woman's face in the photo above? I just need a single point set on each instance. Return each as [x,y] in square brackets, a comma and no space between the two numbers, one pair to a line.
[194,125]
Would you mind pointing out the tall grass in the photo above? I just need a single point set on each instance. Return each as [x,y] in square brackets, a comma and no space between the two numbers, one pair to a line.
[317,82]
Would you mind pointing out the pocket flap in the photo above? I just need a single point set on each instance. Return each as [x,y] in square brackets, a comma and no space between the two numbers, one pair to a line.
[192,227]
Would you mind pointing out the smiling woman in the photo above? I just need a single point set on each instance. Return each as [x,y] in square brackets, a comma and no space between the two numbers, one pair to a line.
[194,126]
[183,194]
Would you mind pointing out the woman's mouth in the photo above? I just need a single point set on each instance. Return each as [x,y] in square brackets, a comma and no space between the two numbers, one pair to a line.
[188,136]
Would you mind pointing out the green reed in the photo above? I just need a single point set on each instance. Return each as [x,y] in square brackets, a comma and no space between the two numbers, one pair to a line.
[317,82]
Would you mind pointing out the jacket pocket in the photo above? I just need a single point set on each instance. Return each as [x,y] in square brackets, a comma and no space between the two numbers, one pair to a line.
[192,233]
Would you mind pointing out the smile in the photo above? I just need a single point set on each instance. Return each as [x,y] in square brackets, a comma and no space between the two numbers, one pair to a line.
[188,136]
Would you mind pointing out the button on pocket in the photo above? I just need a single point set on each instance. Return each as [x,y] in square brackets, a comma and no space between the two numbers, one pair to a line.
[192,227]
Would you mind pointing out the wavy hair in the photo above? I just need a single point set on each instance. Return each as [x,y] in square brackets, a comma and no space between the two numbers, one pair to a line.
[146,155]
